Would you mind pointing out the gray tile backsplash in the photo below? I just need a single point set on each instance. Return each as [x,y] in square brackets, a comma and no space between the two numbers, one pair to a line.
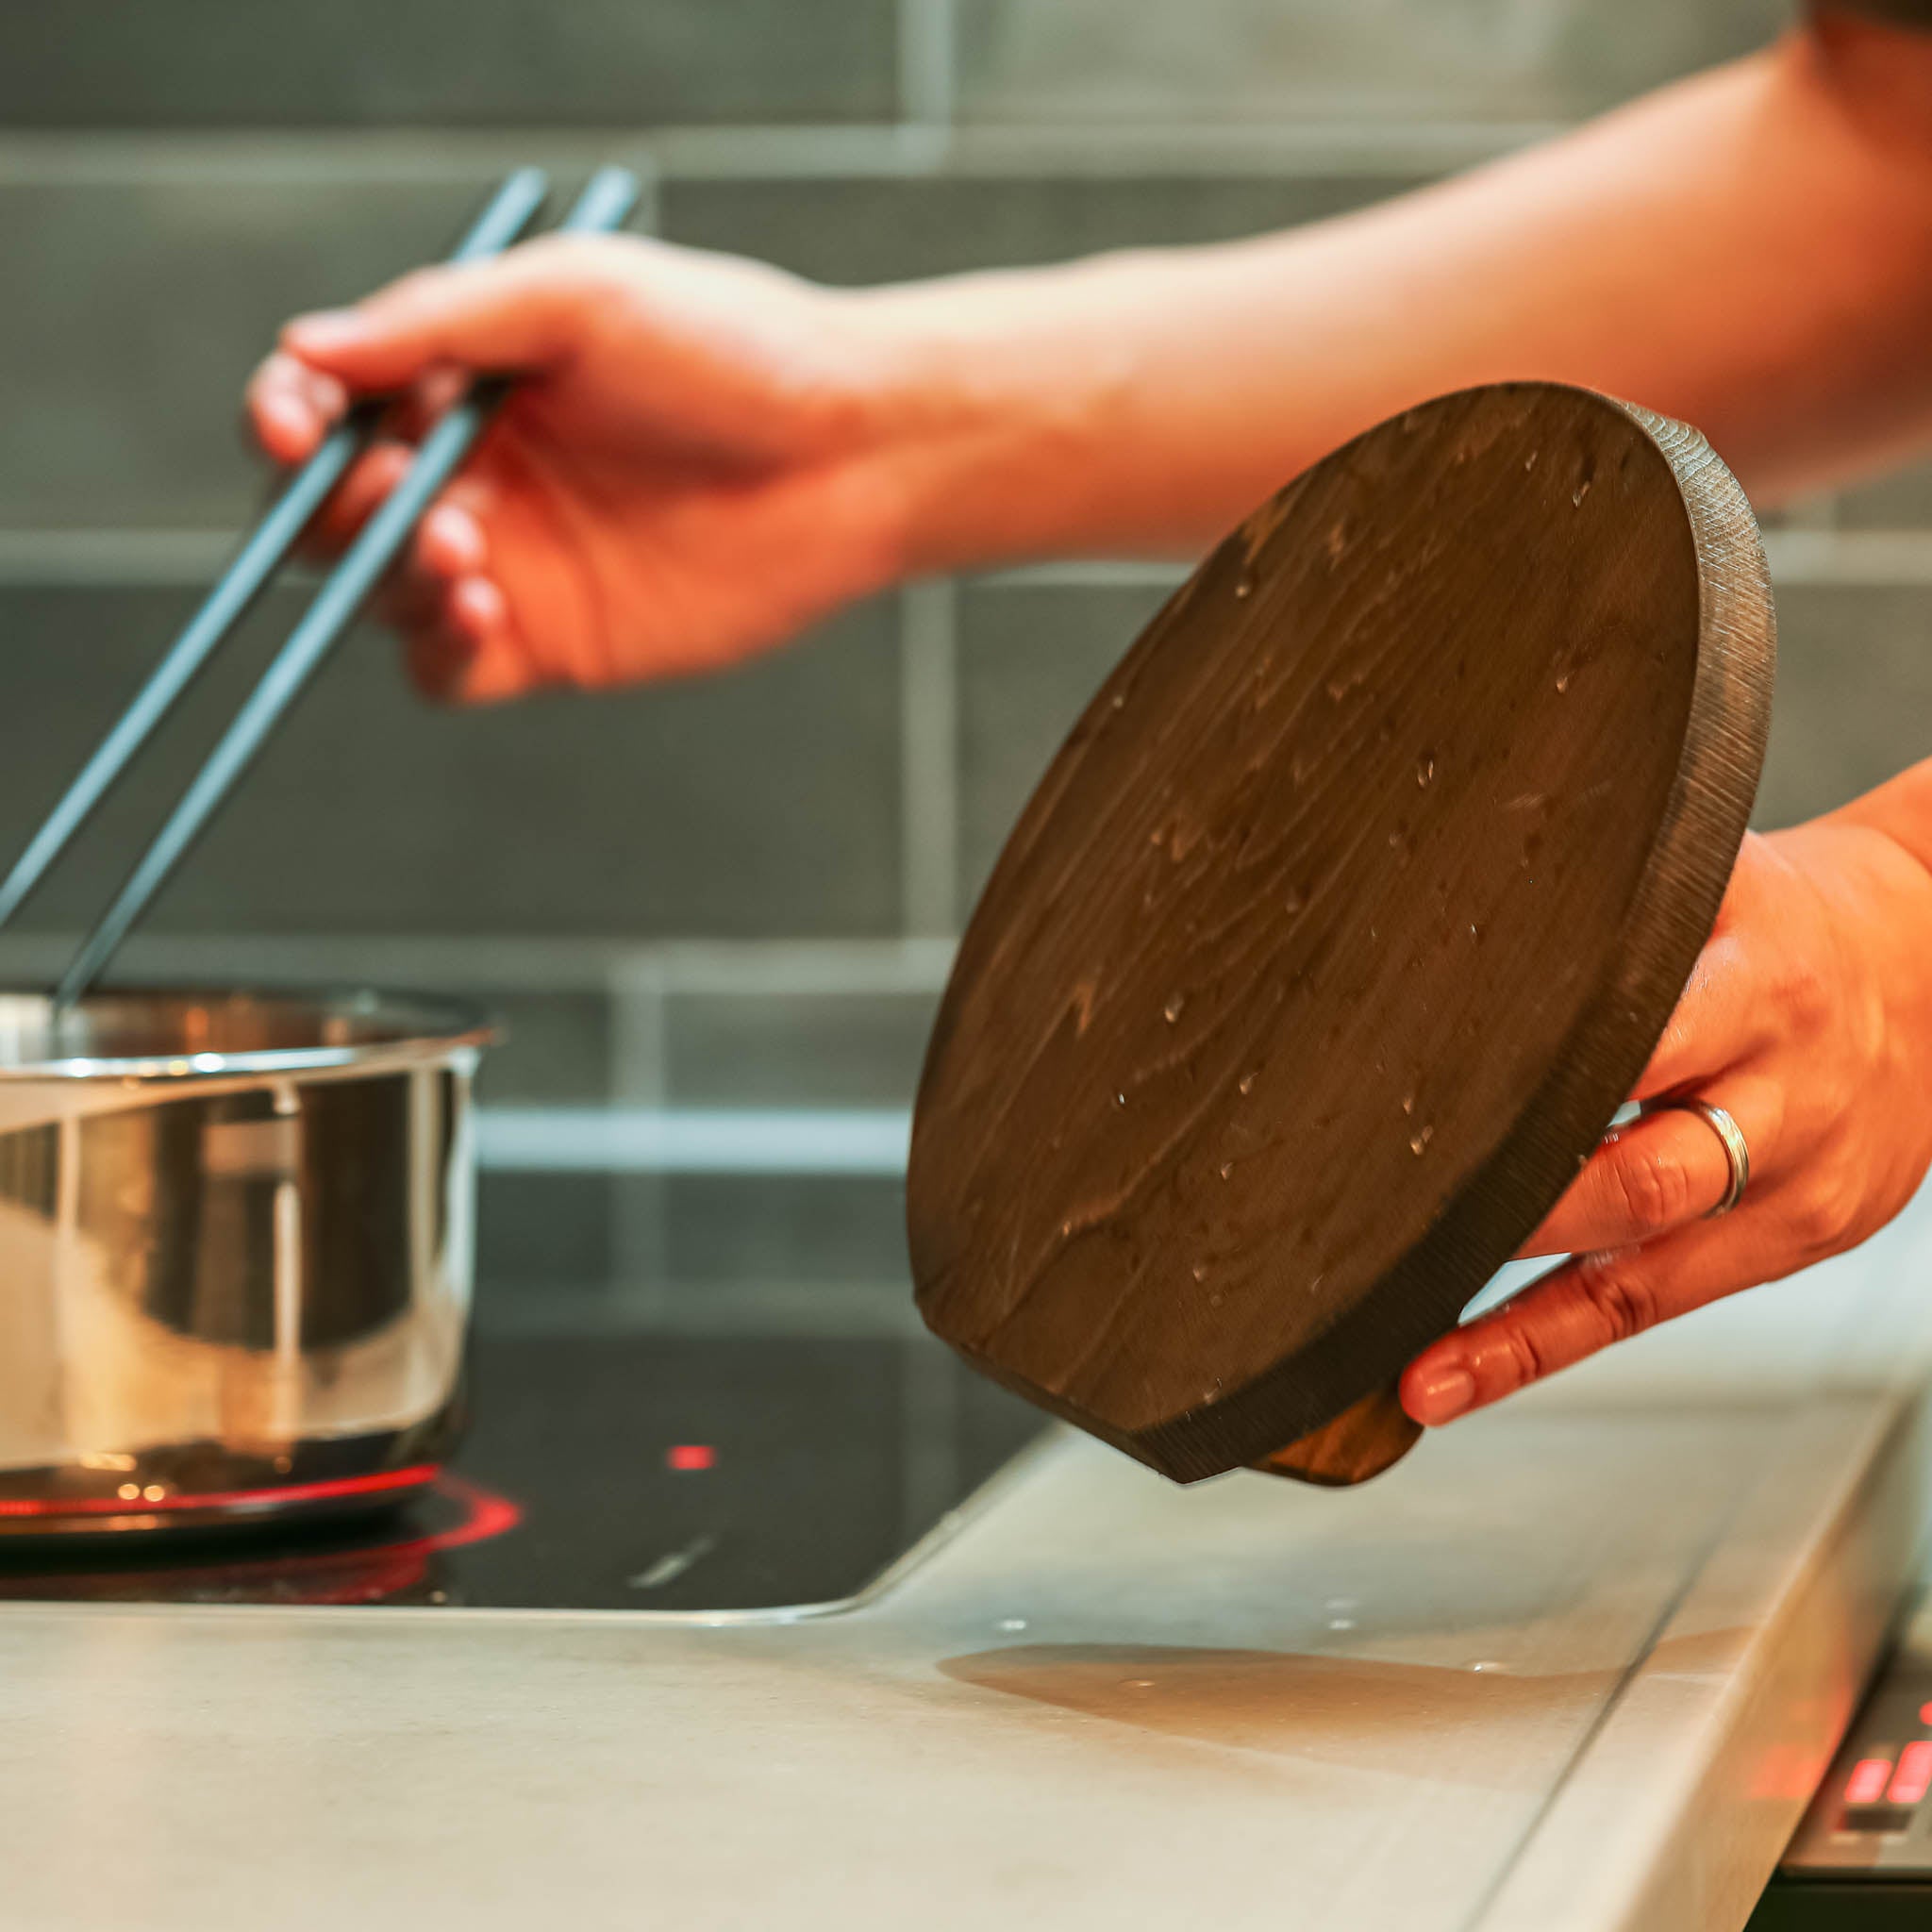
[137,307]
[857,1049]
[619,1233]
[1218,60]
[153,298]
[444,63]
[777,1228]
[1854,701]
[1902,500]
[870,230]
[177,176]
[764,801]
[546,1230]
[553,1049]
[1030,657]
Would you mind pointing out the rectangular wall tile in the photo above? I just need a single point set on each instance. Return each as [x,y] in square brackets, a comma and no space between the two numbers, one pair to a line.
[860,1050]
[761,801]
[444,63]
[544,1230]
[1853,696]
[136,308]
[553,1049]
[856,231]
[1030,658]
[139,306]
[805,1228]
[785,1233]
[1217,60]
[1902,500]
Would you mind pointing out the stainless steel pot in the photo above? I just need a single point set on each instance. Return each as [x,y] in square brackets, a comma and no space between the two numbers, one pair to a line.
[236,1249]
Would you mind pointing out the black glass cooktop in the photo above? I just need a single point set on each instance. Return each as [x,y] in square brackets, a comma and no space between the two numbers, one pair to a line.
[635,1470]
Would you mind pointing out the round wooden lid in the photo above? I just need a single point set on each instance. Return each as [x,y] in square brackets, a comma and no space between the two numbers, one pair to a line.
[1343,922]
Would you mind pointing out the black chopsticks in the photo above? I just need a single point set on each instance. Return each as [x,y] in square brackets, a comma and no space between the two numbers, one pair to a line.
[605,205]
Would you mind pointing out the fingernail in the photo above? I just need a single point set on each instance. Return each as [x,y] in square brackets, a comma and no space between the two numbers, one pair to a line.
[1443,1396]
[455,533]
[479,607]
[326,329]
[291,415]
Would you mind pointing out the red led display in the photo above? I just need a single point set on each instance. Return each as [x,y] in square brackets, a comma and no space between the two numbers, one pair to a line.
[1913,1778]
[689,1456]
[1867,1783]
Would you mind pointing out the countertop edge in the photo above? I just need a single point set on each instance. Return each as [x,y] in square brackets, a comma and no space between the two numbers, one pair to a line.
[1673,1816]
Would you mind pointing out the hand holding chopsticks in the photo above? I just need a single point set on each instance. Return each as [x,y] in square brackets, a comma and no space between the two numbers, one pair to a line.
[603,206]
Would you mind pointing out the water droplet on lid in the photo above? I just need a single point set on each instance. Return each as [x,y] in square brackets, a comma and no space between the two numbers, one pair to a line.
[1419,1142]
[1484,1663]
[1408,1103]
[1563,682]
[1577,494]
[1176,1003]
[1199,1271]
[1120,1100]
[1140,1683]
[1226,1170]
[1295,902]
[1529,461]
[1120,701]
[1011,1623]
[1246,1082]
[1342,1622]
[1424,770]
[1244,584]
[1476,934]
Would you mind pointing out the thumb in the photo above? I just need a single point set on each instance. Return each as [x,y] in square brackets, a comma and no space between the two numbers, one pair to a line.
[519,312]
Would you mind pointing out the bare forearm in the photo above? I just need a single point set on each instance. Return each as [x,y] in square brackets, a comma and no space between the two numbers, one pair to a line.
[1750,251]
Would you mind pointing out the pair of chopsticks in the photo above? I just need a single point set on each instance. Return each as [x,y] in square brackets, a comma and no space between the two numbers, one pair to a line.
[605,205]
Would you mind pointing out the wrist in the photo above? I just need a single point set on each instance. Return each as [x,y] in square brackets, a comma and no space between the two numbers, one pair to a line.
[997,420]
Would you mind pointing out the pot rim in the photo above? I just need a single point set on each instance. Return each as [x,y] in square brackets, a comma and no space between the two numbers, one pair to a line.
[391,1029]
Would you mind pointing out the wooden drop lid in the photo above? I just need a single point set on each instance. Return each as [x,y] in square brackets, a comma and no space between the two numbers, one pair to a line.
[1340,926]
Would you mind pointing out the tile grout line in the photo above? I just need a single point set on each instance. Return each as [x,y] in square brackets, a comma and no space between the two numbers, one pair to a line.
[925,137]
[929,757]
[639,1043]
[927,52]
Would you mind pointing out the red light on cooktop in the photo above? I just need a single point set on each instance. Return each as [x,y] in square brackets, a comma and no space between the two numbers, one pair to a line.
[1914,1776]
[1867,1783]
[1925,1713]
[689,1456]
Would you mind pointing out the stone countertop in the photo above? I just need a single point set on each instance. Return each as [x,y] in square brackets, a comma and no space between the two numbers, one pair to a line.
[1577,1661]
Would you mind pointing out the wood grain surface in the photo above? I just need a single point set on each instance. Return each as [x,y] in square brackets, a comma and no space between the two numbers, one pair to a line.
[1341,925]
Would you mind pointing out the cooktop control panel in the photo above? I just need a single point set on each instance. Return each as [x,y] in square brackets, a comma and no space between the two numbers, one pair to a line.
[1861,1859]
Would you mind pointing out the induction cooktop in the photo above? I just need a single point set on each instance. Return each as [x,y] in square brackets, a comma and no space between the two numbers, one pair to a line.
[644,1471]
